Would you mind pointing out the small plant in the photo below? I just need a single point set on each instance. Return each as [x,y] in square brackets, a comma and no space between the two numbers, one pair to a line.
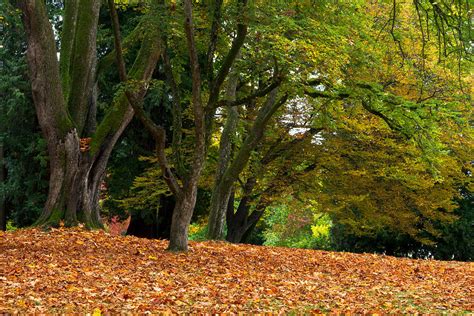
[11,226]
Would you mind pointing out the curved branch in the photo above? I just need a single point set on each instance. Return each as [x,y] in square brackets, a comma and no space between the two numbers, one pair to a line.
[259,93]
[156,131]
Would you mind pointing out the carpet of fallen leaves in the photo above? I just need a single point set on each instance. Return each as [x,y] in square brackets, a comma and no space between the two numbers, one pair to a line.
[71,270]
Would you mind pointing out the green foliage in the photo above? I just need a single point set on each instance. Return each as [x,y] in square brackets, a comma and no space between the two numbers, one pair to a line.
[454,241]
[11,226]
[198,231]
[290,228]
[25,150]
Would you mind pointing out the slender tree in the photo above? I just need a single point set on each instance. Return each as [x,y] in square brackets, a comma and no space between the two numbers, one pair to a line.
[203,115]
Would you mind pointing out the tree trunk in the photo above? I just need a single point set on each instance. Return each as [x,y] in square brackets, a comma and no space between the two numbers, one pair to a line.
[182,214]
[3,211]
[238,229]
[74,183]
[236,220]
[241,222]
[230,175]
[221,192]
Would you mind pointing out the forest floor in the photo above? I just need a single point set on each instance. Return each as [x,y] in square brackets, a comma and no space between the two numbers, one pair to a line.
[71,270]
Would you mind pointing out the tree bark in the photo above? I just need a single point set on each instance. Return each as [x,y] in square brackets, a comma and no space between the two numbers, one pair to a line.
[220,194]
[240,222]
[182,215]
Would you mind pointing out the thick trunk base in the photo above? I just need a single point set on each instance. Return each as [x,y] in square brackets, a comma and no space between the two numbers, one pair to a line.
[73,196]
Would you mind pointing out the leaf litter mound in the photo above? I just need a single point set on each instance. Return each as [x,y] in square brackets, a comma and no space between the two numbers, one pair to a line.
[73,270]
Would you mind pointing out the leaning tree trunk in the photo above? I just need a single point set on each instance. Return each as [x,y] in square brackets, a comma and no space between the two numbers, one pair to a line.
[241,222]
[221,194]
[224,187]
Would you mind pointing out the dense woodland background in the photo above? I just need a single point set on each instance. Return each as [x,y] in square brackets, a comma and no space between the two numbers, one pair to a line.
[342,125]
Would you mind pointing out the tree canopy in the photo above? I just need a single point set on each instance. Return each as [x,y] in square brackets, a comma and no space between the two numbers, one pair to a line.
[353,114]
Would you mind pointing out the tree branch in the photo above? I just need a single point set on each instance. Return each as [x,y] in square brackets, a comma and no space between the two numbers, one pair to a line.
[156,131]
[216,21]
[132,38]
[338,95]
[199,128]
[280,149]
[177,113]
[259,93]
[230,58]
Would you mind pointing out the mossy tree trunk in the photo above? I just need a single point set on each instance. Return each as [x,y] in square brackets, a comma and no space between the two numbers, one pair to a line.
[65,95]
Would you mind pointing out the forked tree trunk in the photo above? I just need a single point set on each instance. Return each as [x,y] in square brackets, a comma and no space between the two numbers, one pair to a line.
[65,101]
[75,178]
[241,222]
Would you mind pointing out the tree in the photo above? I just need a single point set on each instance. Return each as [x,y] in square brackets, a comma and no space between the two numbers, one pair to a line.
[203,114]
[377,101]
[65,98]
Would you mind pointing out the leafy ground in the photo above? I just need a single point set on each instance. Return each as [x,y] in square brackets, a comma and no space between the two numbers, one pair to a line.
[82,271]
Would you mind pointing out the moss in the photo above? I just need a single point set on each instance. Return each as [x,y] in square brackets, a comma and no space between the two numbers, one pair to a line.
[70,222]
[64,124]
[89,223]
[115,116]
[94,225]
[110,123]
[52,221]
[67,40]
